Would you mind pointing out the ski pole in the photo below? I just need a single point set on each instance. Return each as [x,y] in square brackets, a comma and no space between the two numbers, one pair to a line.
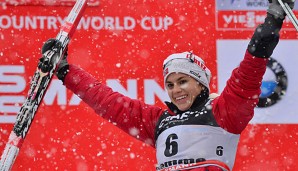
[289,13]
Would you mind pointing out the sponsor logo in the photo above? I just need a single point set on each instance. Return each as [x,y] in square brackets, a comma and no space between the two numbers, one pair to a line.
[251,3]
[195,60]
[166,71]
[179,162]
[242,5]
[239,14]
[13,85]
[176,119]
[259,3]
[29,22]
[274,84]
[195,74]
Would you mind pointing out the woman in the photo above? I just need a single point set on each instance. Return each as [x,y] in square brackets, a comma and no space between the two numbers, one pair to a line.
[198,131]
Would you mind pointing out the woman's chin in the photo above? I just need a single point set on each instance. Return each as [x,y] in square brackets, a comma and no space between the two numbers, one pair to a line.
[184,106]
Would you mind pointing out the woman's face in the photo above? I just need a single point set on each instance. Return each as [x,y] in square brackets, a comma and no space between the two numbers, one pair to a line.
[182,90]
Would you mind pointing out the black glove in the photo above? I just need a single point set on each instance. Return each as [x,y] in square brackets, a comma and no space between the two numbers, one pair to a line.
[265,37]
[63,66]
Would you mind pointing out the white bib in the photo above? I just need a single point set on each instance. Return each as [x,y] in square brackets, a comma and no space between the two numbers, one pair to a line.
[194,143]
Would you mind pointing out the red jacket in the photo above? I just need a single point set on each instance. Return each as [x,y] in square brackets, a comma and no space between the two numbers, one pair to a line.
[233,109]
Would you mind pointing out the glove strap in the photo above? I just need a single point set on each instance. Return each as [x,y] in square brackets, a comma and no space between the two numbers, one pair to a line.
[62,72]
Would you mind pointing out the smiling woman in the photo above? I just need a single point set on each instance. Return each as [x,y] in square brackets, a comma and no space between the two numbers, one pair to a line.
[183,89]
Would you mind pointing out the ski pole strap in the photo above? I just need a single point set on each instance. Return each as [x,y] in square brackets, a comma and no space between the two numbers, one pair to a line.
[62,72]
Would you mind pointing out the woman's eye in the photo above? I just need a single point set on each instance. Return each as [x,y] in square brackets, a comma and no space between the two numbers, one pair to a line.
[182,81]
[170,86]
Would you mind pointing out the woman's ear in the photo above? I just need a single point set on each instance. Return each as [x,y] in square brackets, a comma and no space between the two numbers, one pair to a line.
[202,86]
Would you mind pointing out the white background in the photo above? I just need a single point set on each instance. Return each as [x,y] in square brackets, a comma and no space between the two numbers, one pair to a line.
[229,55]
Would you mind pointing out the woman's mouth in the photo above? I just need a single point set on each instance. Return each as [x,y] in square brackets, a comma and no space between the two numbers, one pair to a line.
[180,98]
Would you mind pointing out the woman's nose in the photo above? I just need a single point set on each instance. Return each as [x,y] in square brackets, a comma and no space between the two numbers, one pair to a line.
[176,88]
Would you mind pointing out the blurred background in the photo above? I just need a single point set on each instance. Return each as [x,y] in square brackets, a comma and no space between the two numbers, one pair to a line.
[123,44]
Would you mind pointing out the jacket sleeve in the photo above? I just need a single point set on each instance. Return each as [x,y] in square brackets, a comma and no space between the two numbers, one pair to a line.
[132,116]
[234,108]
